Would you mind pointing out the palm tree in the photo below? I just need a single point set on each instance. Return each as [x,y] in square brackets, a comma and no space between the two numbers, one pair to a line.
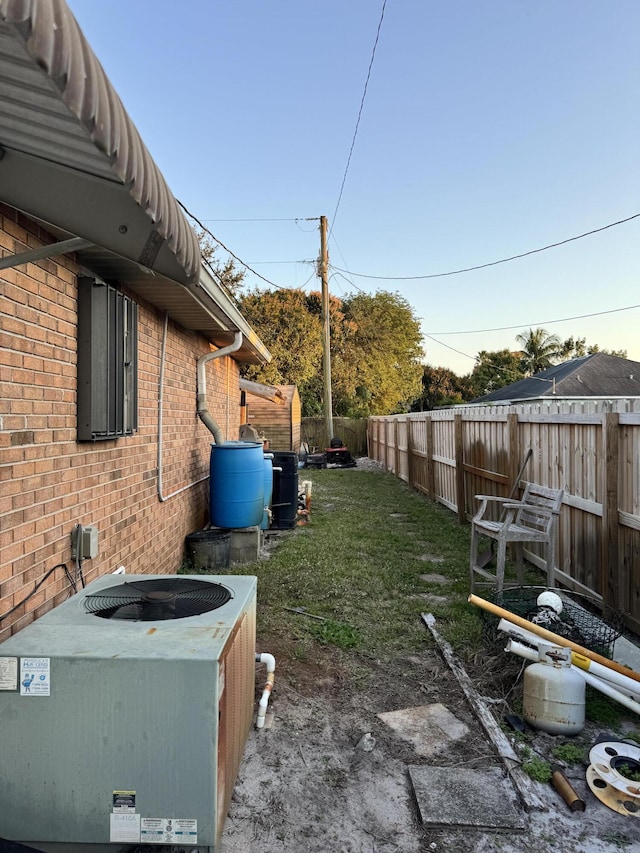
[540,350]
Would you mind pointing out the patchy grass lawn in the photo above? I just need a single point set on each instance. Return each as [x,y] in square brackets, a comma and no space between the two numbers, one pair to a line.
[363,565]
[374,557]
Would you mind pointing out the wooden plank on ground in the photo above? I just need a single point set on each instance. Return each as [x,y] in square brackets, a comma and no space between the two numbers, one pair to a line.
[524,785]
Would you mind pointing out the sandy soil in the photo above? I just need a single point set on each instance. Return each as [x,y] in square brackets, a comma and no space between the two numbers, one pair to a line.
[307,784]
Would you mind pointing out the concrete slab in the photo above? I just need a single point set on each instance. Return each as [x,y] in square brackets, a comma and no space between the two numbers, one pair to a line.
[430,728]
[245,545]
[460,797]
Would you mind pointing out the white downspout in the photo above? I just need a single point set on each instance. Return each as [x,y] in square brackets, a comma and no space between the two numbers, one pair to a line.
[203,412]
[270,661]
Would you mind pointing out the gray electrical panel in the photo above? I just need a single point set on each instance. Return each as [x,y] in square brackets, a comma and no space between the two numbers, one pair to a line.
[119,734]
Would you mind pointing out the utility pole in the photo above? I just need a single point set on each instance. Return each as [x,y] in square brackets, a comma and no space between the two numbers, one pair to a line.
[326,338]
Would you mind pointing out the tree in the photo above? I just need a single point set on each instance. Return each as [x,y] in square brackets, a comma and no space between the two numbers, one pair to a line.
[375,349]
[384,352]
[227,274]
[291,333]
[578,347]
[440,387]
[540,350]
[494,370]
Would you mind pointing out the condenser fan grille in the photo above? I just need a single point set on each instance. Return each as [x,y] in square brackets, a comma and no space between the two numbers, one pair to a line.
[157,599]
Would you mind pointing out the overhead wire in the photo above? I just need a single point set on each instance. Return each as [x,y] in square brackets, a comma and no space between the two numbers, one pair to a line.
[355,133]
[492,263]
[540,322]
[233,255]
[259,219]
[453,349]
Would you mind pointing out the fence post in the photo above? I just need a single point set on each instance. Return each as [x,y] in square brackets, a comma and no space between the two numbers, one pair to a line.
[431,478]
[459,448]
[386,444]
[410,476]
[615,587]
[514,450]
[396,445]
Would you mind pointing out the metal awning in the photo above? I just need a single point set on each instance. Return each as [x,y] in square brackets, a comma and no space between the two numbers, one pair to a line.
[71,158]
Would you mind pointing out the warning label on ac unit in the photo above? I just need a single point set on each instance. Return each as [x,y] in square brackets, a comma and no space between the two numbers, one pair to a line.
[35,677]
[8,673]
[124,802]
[160,830]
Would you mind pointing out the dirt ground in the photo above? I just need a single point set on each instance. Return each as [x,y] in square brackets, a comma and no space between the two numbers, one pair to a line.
[307,784]
[311,783]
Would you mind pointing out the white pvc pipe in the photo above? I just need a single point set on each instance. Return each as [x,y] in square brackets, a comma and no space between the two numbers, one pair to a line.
[530,654]
[270,662]
[627,685]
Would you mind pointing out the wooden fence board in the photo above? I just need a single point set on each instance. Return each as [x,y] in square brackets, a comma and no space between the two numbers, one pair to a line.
[591,449]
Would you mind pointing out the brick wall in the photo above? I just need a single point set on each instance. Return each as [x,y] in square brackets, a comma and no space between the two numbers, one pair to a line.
[49,482]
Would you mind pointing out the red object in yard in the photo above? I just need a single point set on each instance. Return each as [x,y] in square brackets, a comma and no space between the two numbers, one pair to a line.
[339,456]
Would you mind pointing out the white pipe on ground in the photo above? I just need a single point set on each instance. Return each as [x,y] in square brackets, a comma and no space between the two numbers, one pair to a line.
[270,662]
[627,686]
[607,689]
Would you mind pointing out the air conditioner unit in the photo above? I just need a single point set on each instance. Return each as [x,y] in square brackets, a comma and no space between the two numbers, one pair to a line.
[124,713]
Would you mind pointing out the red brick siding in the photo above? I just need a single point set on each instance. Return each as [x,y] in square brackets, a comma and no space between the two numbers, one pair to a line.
[49,482]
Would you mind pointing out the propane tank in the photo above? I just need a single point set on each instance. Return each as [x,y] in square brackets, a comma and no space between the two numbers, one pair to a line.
[554,694]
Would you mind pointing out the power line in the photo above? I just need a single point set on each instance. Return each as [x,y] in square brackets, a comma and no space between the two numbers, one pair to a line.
[491,263]
[540,323]
[288,219]
[234,256]
[355,133]
[465,354]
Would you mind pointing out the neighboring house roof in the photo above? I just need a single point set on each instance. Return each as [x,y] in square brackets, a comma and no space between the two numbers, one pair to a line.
[597,375]
[71,158]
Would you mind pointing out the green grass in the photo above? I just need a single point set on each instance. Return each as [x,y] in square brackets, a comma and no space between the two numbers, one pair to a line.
[358,564]
[374,556]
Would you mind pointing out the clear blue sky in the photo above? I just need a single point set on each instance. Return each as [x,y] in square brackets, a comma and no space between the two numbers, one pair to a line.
[489,129]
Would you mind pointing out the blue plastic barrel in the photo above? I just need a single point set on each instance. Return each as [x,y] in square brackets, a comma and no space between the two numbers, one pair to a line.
[236,484]
[268,490]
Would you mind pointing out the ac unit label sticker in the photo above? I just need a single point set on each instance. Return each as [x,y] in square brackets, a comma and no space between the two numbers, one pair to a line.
[124,801]
[8,673]
[35,677]
[160,830]
[124,827]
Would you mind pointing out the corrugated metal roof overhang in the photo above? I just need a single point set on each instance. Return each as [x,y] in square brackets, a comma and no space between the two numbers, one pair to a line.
[74,160]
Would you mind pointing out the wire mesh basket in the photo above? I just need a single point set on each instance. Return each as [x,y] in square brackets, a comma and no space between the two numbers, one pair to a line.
[577,622]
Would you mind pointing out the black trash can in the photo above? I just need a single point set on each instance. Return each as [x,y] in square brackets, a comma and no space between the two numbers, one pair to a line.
[284,502]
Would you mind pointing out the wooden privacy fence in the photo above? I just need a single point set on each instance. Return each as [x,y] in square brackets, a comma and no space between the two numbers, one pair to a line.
[591,450]
[353,432]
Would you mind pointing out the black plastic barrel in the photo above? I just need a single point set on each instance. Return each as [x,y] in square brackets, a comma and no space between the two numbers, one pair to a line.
[236,484]
[285,490]
[209,549]
[268,489]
